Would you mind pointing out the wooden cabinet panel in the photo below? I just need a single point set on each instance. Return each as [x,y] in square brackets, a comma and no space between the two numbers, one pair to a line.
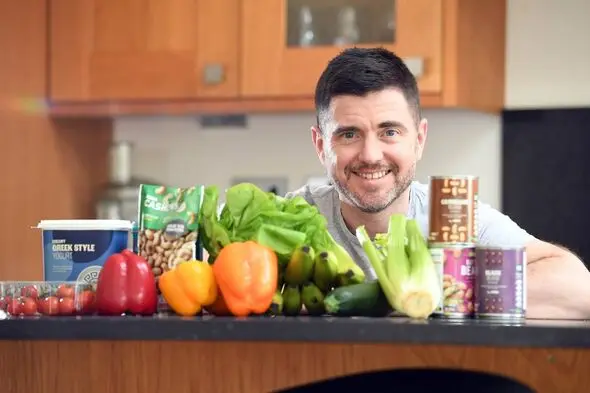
[272,68]
[52,169]
[143,49]
[114,57]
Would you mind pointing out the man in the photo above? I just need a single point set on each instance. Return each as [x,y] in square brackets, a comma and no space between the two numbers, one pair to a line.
[369,137]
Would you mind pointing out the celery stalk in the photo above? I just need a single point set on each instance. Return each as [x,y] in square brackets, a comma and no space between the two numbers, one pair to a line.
[377,263]
[398,268]
[406,273]
[380,243]
[423,290]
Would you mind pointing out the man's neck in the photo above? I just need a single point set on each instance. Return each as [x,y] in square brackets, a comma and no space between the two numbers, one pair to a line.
[374,222]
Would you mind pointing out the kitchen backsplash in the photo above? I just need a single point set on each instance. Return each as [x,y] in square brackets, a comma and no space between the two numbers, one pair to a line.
[177,151]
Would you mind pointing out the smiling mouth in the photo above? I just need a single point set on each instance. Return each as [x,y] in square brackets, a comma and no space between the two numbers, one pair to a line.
[372,175]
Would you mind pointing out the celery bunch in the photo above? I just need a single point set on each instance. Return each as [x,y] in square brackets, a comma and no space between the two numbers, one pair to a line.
[404,267]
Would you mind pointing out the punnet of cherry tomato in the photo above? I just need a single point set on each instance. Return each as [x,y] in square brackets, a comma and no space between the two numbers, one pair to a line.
[47,298]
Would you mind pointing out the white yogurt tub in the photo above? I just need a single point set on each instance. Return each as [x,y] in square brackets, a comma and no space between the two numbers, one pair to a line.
[76,250]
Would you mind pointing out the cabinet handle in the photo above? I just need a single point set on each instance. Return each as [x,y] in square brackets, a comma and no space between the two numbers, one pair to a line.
[415,65]
[213,74]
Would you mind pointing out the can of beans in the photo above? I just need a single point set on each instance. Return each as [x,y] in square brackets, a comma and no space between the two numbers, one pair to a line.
[453,209]
[501,282]
[456,265]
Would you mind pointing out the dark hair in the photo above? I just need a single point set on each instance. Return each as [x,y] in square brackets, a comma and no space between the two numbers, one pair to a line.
[360,71]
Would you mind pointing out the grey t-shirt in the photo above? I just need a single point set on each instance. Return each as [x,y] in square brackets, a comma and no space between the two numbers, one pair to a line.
[495,228]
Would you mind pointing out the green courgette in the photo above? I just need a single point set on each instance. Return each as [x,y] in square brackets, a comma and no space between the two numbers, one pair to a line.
[363,300]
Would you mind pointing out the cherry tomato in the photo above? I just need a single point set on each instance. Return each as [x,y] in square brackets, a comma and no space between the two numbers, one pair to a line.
[14,307]
[29,291]
[66,306]
[65,290]
[49,305]
[29,306]
[4,302]
[85,302]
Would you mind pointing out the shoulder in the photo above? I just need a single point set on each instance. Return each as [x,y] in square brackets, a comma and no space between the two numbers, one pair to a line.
[324,197]
[313,193]
[494,227]
[497,228]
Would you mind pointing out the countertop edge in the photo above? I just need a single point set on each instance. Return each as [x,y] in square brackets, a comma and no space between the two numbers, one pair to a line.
[297,329]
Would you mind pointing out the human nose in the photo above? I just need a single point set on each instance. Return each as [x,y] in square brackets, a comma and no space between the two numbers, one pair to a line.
[371,150]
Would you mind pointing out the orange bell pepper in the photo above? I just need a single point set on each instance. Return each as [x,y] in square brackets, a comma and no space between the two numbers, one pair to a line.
[189,287]
[219,308]
[246,274]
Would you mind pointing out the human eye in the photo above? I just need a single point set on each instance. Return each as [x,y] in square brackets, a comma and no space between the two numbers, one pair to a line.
[346,135]
[391,132]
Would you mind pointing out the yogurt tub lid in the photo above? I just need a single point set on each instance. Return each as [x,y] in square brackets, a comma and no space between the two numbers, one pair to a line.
[81,225]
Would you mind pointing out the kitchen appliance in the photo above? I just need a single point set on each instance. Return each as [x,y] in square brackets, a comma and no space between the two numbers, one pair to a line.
[119,199]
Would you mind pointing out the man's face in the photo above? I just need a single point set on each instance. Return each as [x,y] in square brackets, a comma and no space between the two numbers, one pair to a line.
[369,147]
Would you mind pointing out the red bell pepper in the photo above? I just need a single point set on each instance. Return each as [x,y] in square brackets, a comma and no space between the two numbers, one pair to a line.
[126,284]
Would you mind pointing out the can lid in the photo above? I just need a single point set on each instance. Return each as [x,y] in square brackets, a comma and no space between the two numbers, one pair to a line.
[81,225]
[501,247]
[454,177]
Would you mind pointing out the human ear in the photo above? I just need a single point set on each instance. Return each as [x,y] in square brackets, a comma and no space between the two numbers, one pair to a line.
[421,138]
[318,143]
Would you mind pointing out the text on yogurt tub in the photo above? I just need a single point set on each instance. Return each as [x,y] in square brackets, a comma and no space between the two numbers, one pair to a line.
[63,250]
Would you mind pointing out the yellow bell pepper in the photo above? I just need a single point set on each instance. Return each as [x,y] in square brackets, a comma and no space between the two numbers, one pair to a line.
[189,287]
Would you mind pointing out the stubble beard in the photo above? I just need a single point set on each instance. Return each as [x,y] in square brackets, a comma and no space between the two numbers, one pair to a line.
[357,200]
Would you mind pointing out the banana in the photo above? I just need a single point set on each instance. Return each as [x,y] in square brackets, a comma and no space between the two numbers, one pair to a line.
[325,270]
[312,298]
[283,261]
[276,307]
[300,267]
[291,300]
[349,272]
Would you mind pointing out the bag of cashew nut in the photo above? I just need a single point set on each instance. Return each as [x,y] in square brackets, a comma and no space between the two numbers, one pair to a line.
[168,225]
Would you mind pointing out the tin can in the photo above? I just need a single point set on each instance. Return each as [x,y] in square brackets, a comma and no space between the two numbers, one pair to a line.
[456,265]
[501,282]
[453,209]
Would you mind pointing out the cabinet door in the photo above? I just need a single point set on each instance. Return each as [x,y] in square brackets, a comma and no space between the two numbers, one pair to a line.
[287,43]
[143,49]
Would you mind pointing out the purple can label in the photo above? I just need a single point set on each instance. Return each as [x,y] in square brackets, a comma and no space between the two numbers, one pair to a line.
[501,282]
[457,268]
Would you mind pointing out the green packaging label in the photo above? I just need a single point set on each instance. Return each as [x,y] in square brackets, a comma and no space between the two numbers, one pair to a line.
[168,225]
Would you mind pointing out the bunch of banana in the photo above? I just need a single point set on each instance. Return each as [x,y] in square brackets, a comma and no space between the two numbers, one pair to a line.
[309,276]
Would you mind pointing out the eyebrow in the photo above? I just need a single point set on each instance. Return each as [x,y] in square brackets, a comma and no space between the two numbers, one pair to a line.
[343,129]
[385,124]
[391,124]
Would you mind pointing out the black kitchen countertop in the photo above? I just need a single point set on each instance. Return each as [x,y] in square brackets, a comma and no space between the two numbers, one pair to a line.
[529,333]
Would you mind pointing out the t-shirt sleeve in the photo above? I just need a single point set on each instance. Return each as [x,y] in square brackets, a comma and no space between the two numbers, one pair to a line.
[497,229]
[304,192]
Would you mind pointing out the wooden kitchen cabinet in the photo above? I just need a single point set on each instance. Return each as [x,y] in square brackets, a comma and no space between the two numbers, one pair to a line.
[109,50]
[113,57]
[454,47]
[288,43]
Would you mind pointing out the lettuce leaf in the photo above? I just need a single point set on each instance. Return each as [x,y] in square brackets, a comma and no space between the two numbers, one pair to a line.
[250,213]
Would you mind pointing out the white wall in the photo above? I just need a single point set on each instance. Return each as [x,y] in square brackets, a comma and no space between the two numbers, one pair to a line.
[548,53]
[548,65]
[176,151]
